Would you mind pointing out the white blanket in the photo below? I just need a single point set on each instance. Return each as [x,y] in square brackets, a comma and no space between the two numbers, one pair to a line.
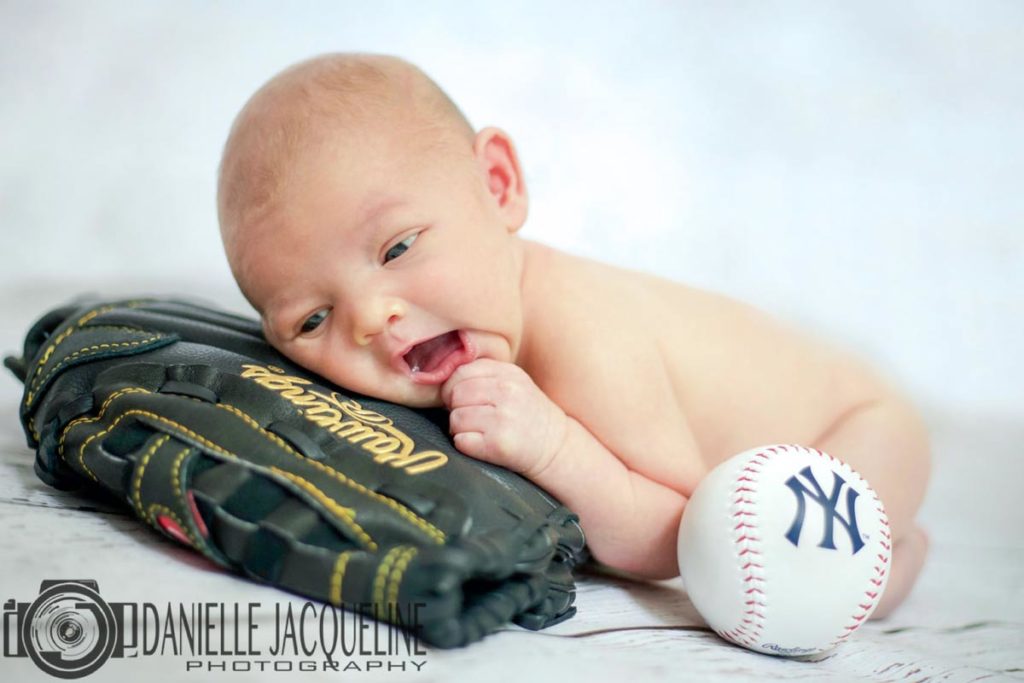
[963,622]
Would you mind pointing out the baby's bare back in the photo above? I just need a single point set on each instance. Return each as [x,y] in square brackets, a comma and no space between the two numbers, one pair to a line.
[672,378]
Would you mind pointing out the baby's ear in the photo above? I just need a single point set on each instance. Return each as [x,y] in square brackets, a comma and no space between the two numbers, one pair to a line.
[497,157]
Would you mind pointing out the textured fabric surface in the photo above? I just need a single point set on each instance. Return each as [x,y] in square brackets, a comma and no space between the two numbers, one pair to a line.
[962,622]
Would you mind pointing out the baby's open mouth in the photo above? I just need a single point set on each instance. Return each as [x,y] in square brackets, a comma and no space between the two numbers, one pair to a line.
[434,360]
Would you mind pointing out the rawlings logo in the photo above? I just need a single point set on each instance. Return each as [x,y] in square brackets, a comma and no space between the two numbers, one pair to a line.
[348,420]
[828,505]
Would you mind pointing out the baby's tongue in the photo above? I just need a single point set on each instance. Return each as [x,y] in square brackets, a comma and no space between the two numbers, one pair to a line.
[426,357]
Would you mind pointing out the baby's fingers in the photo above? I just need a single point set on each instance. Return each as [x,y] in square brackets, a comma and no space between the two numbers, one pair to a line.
[471,419]
[479,370]
[470,443]
[477,391]
[475,433]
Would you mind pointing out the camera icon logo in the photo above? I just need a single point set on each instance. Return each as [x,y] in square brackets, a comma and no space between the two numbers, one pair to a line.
[69,631]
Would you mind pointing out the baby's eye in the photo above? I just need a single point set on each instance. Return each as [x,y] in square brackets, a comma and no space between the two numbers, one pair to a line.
[400,248]
[313,321]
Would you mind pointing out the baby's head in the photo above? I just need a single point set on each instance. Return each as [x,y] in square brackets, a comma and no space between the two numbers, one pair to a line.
[371,228]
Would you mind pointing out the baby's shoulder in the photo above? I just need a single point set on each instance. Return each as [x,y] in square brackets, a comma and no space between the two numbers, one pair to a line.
[597,296]
[596,329]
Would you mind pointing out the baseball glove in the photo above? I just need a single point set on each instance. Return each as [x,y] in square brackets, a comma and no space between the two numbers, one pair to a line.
[189,417]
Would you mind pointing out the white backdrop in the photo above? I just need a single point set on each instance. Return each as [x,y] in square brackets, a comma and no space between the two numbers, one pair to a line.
[853,167]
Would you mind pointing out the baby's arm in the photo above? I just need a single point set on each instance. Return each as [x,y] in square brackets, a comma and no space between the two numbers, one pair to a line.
[499,415]
[631,521]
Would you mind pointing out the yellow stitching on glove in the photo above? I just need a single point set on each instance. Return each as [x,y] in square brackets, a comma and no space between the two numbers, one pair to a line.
[397,573]
[159,418]
[432,531]
[68,332]
[175,469]
[337,576]
[119,392]
[140,471]
[348,515]
[383,569]
[79,323]
[251,422]
[31,378]
[64,361]
[151,517]
[199,541]
[74,328]
[86,419]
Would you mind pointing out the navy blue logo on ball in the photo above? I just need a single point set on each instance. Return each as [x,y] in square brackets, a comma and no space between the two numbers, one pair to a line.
[828,503]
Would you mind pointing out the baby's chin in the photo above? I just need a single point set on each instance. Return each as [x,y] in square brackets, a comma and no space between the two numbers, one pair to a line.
[419,396]
[433,403]
[413,396]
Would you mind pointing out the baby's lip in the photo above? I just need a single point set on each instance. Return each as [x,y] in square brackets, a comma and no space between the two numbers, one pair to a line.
[439,375]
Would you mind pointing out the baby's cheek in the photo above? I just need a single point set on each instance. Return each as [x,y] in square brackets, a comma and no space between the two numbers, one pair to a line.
[304,356]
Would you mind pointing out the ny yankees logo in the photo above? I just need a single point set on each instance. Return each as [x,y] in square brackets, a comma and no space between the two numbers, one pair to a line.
[828,504]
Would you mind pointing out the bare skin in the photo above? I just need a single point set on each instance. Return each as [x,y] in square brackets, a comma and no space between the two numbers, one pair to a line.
[614,390]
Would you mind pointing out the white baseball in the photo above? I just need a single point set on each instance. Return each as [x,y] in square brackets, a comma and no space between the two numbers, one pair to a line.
[755,556]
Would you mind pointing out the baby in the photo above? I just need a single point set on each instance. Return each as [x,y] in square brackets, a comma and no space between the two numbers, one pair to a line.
[375,232]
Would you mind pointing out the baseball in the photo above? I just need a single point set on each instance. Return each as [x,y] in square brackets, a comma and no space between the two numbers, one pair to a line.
[784,550]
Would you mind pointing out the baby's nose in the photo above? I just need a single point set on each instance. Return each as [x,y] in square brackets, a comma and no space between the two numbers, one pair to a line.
[375,317]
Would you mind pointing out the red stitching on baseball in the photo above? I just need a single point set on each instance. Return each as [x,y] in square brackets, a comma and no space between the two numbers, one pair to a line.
[747,546]
[880,572]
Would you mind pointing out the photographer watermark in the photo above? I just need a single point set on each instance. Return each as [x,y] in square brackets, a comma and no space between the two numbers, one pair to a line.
[69,631]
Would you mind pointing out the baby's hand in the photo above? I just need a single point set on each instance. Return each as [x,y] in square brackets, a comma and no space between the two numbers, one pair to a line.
[499,415]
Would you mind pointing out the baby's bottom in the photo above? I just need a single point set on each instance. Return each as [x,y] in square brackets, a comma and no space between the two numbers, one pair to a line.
[907,559]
